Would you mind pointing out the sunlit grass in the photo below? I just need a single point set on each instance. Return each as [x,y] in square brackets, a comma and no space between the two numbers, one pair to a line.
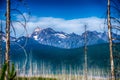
[61,77]
[45,72]
[34,78]
[0,71]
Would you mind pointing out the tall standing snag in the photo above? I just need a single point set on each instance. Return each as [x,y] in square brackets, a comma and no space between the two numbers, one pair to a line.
[85,53]
[1,45]
[7,38]
[110,42]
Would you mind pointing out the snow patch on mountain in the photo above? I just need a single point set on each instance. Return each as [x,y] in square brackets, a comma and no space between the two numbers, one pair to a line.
[99,35]
[60,35]
[36,37]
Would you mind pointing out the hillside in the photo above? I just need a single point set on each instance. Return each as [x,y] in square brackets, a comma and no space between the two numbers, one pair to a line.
[98,55]
[39,57]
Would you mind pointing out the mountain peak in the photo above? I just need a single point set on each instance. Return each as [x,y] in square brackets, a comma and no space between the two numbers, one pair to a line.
[36,32]
[49,30]
[38,29]
[49,36]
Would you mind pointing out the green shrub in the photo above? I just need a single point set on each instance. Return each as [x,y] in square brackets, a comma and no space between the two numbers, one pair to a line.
[11,74]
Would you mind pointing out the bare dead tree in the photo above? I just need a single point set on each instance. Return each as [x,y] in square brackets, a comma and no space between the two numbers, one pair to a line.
[110,41]
[23,23]
[8,24]
[115,33]
[1,45]
[85,53]
[115,19]
[7,38]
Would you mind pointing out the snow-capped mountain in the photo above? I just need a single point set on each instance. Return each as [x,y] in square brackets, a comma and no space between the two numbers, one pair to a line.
[54,38]
[51,37]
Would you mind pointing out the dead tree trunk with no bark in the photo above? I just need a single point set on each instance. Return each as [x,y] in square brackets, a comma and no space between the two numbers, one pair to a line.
[7,38]
[85,53]
[1,45]
[110,42]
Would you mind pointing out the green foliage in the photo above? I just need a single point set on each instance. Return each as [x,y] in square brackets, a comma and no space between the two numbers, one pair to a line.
[3,71]
[11,74]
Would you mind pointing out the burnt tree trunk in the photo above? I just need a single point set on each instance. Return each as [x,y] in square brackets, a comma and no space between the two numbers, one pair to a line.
[1,45]
[110,42]
[7,38]
[85,53]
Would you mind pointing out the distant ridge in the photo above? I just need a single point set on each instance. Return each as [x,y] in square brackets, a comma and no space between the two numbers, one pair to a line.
[50,37]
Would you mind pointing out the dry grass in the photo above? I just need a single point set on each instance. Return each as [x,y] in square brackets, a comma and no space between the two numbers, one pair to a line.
[0,71]
[44,72]
[34,78]
[61,77]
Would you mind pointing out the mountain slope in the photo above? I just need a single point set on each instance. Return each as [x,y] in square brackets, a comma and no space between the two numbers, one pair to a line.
[54,38]
[51,37]
[56,58]
[98,55]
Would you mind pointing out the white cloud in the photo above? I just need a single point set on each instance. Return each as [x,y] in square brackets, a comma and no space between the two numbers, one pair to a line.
[60,24]
[68,26]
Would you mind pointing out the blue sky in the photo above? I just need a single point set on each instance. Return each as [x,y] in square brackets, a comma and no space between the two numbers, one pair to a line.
[68,9]
[62,15]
